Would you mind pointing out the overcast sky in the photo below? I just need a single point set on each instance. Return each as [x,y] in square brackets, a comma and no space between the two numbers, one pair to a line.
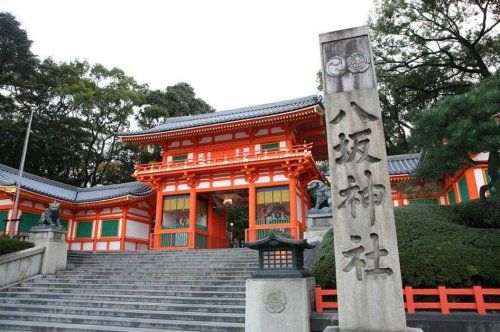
[234,53]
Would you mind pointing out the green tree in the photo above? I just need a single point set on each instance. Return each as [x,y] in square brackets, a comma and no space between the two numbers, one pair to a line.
[458,127]
[425,50]
[177,100]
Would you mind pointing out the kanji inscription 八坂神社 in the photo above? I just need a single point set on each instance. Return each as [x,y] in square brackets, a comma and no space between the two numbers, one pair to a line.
[366,252]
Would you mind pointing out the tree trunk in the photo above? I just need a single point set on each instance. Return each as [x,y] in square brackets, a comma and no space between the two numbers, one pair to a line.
[494,204]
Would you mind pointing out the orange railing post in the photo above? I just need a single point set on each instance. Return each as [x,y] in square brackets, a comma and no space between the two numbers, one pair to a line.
[410,305]
[443,300]
[478,296]
[318,296]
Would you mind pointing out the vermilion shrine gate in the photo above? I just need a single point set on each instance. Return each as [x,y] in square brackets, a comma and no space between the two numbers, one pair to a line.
[262,157]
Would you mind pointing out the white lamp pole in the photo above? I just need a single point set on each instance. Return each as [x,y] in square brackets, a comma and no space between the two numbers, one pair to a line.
[21,169]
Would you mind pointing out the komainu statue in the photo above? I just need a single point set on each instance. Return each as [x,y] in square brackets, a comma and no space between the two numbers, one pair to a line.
[321,195]
[50,217]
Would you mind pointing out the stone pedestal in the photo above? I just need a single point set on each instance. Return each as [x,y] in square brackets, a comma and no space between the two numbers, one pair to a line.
[279,305]
[318,223]
[56,249]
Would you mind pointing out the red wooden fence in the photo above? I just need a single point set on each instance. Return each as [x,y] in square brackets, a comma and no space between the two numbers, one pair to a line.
[441,292]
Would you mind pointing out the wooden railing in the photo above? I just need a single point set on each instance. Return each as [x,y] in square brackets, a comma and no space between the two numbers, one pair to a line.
[232,158]
[444,305]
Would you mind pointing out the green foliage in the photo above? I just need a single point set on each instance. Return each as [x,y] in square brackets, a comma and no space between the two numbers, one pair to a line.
[433,250]
[471,214]
[238,216]
[425,50]
[456,127]
[8,246]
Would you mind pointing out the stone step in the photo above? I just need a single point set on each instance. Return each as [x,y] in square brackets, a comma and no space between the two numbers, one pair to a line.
[141,282]
[126,305]
[130,313]
[158,273]
[144,292]
[120,322]
[128,298]
[8,325]
[146,288]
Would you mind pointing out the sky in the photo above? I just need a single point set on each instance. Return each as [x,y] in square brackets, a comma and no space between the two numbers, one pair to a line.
[234,53]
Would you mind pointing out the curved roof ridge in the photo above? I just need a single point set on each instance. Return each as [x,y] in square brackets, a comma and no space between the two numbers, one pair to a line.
[243,113]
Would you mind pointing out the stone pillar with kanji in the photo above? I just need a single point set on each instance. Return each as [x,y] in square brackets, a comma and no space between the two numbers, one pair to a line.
[366,251]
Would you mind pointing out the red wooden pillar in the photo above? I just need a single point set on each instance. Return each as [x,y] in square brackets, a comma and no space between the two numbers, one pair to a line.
[252,212]
[192,217]
[123,228]
[158,218]
[293,207]
[96,229]
[210,224]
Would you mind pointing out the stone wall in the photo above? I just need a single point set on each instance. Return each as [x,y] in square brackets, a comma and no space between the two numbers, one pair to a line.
[21,265]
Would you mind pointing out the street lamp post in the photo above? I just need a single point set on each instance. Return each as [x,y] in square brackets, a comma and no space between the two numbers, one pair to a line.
[21,169]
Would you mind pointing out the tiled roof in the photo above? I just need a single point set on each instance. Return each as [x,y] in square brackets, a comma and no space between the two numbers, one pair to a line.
[403,163]
[58,190]
[238,114]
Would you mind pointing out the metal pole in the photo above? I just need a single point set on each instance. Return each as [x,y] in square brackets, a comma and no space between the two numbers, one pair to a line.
[21,169]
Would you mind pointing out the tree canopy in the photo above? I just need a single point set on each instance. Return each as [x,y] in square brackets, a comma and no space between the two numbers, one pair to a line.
[426,50]
[459,127]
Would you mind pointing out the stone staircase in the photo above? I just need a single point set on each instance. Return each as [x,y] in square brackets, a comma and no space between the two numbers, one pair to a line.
[202,290]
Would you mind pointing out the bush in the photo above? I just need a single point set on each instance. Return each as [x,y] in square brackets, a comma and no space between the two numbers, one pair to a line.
[472,214]
[8,246]
[433,251]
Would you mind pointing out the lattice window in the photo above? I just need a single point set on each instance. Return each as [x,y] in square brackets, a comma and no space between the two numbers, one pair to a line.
[277,259]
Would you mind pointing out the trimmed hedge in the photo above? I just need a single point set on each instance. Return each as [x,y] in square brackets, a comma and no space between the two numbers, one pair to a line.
[472,214]
[433,251]
[8,246]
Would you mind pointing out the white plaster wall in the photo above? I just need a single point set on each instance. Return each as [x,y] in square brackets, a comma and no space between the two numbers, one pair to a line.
[478,175]
[395,203]
[87,246]
[282,144]
[221,183]
[101,246]
[241,134]
[224,137]
[114,245]
[261,132]
[143,247]
[169,188]
[106,211]
[183,187]
[203,185]
[139,212]
[263,179]
[5,202]
[239,182]
[186,142]
[129,246]
[405,201]
[75,246]
[277,130]
[442,201]
[279,177]
[207,139]
[137,229]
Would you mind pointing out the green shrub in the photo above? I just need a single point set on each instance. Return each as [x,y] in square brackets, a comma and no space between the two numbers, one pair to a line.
[8,246]
[472,214]
[433,251]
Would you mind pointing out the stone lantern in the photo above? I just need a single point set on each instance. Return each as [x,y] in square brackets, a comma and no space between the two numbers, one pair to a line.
[280,256]
[279,294]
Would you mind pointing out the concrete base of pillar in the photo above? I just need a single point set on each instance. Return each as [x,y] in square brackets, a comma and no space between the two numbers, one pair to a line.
[56,249]
[337,329]
[279,305]
[318,223]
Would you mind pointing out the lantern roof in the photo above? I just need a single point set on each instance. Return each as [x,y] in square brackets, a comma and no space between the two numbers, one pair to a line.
[277,239]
